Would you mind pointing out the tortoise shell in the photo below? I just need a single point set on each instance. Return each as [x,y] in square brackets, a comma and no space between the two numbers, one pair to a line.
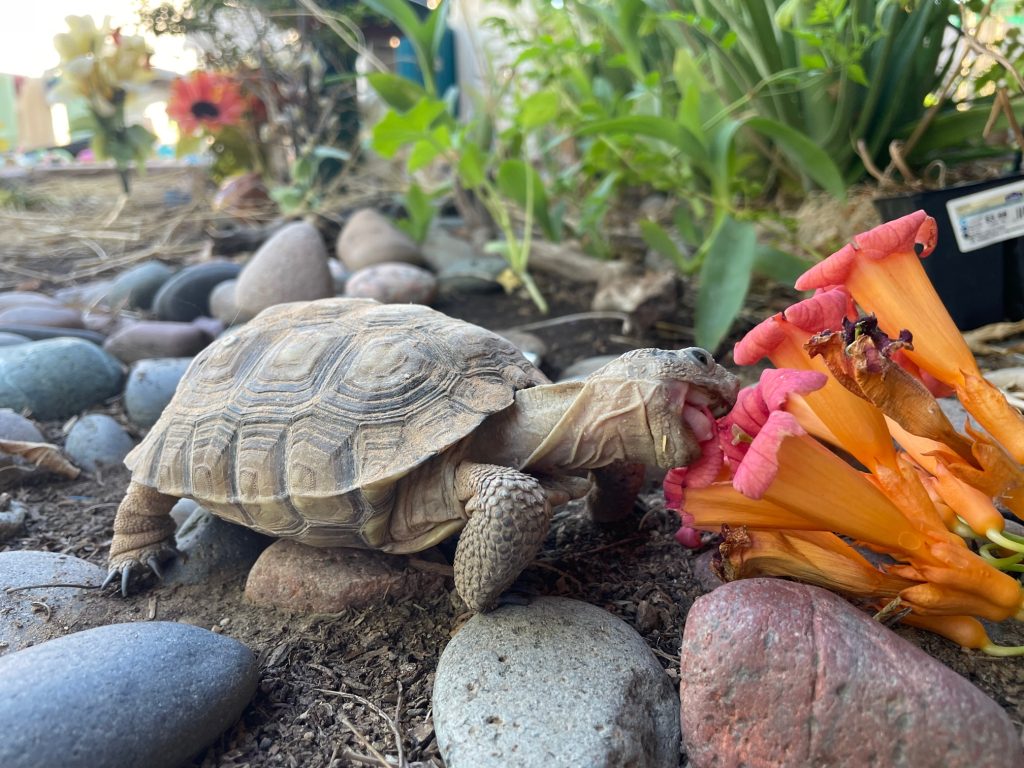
[311,401]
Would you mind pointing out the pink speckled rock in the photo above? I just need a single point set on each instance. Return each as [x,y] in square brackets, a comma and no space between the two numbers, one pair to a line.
[781,674]
[392,283]
[304,579]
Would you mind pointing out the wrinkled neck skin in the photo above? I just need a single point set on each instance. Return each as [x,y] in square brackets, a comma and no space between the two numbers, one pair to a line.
[576,426]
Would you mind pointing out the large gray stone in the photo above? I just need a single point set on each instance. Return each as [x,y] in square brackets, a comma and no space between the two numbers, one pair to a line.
[150,387]
[124,695]
[96,442]
[290,266]
[778,673]
[23,622]
[57,378]
[553,683]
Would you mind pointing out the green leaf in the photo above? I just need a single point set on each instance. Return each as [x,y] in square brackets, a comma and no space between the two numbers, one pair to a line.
[471,166]
[781,266]
[656,128]
[399,129]
[398,92]
[401,13]
[724,281]
[808,156]
[658,239]
[290,199]
[856,73]
[517,181]
[422,154]
[538,109]
[420,207]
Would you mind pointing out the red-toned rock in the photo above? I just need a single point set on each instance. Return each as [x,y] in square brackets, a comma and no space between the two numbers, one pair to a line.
[156,338]
[781,674]
[392,283]
[304,579]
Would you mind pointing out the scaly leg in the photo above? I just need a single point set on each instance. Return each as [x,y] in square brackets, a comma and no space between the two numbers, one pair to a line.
[615,490]
[143,533]
[509,514]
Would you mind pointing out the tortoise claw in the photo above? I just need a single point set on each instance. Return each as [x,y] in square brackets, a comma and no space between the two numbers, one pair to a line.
[110,578]
[126,574]
[154,566]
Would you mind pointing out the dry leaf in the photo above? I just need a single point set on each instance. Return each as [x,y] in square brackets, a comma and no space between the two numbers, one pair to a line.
[42,455]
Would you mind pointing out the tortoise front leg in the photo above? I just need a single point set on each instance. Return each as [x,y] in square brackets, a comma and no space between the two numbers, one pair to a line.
[509,515]
[615,490]
[143,533]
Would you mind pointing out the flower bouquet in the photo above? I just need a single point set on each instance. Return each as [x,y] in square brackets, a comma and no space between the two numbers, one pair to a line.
[104,67]
[909,486]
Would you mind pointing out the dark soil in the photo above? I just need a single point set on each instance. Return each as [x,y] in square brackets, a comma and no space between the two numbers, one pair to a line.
[339,690]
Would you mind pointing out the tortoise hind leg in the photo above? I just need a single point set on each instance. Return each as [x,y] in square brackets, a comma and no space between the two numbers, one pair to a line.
[509,515]
[143,533]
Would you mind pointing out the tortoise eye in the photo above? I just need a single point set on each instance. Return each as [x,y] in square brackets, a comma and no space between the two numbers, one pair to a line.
[700,356]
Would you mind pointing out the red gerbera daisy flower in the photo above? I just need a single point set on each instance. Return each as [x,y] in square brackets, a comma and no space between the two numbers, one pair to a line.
[205,100]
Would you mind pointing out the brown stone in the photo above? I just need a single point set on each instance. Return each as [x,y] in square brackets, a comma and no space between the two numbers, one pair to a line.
[370,238]
[775,673]
[304,579]
[290,266]
[154,338]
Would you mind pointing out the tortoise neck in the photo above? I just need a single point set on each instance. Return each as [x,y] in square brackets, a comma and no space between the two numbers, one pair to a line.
[511,438]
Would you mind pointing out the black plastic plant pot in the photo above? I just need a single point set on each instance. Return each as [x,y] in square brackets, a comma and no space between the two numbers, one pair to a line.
[978,265]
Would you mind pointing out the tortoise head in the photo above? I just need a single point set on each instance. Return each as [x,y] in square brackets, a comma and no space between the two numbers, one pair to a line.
[659,405]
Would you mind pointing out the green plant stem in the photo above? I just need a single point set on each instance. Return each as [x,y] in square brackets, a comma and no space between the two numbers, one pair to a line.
[1002,563]
[1006,541]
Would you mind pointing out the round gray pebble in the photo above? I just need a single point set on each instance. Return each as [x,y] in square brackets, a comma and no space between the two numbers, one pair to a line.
[135,288]
[12,520]
[124,695]
[14,426]
[150,387]
[57,378]
[186,296]
[97,441]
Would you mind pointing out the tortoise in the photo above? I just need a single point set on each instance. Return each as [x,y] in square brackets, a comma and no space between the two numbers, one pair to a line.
[345,422]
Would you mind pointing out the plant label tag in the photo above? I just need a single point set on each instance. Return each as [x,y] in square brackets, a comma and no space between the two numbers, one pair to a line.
[987,217]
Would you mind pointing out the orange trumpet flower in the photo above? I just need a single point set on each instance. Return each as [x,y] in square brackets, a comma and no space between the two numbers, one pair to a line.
[882,271]
[813,557]
[857,426]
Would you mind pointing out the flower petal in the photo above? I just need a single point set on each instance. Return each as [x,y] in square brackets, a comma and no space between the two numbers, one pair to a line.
[760,465]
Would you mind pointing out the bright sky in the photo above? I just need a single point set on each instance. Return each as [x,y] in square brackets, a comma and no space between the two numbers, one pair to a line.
[26,37]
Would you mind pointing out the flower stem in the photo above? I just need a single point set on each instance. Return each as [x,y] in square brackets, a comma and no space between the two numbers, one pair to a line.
[1003,650]
[1002,563]
[1005,541]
